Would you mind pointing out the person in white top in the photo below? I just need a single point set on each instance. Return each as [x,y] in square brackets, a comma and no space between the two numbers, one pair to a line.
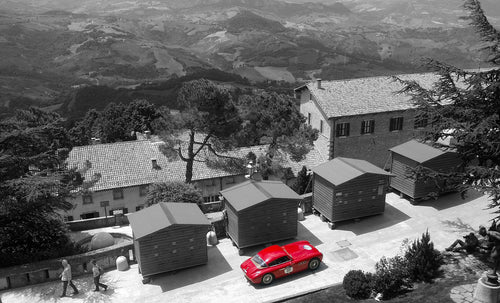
[66,278]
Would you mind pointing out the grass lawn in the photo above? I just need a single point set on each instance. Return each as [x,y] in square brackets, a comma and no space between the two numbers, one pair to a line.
[458,270]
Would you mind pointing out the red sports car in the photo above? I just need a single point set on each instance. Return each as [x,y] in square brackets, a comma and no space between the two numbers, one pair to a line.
[276,261]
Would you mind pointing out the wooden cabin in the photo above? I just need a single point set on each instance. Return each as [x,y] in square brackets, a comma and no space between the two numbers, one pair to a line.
[260,212]
[346,188]
[169,236]
[407,156]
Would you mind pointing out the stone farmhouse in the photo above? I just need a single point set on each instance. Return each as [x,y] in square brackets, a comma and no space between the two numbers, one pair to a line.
[128,168]
[361,118]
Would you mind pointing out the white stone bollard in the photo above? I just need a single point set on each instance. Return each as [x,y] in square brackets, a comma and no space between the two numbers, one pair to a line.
[212,238]
[121,263]
[300,214]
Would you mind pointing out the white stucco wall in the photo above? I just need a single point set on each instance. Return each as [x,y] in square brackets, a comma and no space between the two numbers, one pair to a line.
[132,199]
[308,107]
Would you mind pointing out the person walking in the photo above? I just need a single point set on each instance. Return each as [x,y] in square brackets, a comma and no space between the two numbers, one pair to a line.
[96,272]
[66,278]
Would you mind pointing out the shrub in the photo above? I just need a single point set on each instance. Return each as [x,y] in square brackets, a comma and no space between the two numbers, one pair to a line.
[391,276]
[357,284]
[423,260]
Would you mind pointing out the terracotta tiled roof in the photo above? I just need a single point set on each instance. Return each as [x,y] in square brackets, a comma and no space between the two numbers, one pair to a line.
[125,164]
[312,159]
[365,95]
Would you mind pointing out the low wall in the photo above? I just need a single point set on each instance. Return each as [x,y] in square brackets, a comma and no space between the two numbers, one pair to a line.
[218,221]
[100,222]
[307,203]
[211,207]
[49,270]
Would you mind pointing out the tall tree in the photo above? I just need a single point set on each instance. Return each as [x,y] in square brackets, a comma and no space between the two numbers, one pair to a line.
[275,119]
[117,122]
[85,129]
[465,105]
[35,185]
[206,124]
[303,182]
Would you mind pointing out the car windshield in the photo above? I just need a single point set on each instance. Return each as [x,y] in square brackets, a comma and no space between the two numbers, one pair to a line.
[257,260]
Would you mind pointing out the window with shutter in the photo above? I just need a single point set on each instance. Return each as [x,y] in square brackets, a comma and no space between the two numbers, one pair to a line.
[367,126]
[396,123]
[342,129]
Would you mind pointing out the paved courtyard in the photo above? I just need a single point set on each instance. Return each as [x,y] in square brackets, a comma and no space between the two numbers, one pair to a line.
[352,245]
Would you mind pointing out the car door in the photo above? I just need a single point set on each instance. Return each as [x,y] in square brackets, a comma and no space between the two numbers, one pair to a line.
[282,267]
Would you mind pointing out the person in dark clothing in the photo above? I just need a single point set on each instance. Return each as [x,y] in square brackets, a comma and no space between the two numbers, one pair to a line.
[470,244]
[96,273]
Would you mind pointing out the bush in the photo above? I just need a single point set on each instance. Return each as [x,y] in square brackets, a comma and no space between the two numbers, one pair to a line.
[357,284]
[423,260]
[391,276]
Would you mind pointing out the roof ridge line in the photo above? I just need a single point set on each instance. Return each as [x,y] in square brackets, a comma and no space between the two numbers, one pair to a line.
[352,165]
[265,192]
[112,143]
[369,77]
[167,212]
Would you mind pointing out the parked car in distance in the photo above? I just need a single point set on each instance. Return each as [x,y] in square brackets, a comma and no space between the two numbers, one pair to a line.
[277,261]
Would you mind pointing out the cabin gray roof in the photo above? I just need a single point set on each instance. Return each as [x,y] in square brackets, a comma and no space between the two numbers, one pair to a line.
[162,215]
[340,170]
[350,97]
[418,151]
[251,193]
[124,164]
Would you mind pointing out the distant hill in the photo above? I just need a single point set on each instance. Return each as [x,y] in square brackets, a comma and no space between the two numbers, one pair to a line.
[53,49]
[248,21]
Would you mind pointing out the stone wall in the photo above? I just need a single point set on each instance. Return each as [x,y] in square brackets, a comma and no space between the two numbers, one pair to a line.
[94,223]
[373,147]
[49,270]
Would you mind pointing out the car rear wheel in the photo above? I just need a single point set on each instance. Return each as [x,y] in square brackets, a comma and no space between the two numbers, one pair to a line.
[267,279]
[314,263]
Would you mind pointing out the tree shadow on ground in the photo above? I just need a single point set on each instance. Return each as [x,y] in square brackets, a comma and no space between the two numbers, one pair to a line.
[460,226]
[216,265]
[451,200]
[390,217]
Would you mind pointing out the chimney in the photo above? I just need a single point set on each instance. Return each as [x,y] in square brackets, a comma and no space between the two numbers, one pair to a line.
[147,134]
[318,82]
[154,163]
[95,141]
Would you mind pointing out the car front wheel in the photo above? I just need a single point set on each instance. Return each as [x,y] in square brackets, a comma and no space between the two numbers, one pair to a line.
[267,279]
[314,263]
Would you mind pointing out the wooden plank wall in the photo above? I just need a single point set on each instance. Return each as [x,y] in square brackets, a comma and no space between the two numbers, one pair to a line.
[232,222]
[445,163]
[272,220]
[323,196]
[400,182]
[175,247]
[359,197]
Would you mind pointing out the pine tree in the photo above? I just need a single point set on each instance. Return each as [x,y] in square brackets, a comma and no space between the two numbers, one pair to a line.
[423,260]
[465,105]
[303,183]
[35,186]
